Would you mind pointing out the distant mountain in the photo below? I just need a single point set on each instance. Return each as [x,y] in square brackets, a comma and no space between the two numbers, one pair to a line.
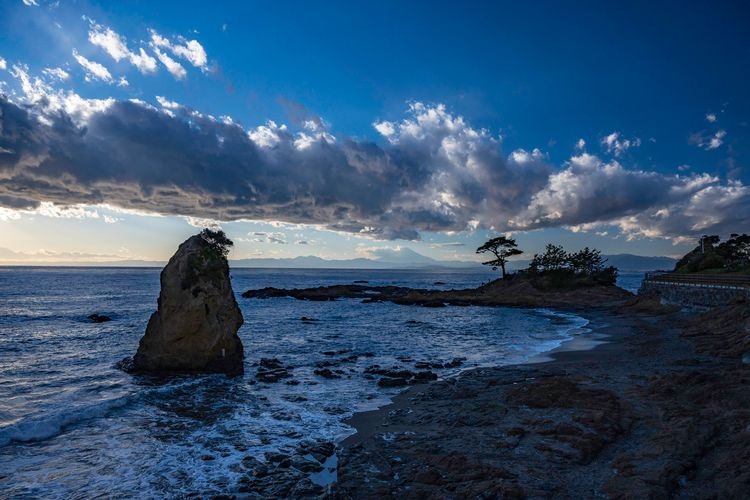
[385,258]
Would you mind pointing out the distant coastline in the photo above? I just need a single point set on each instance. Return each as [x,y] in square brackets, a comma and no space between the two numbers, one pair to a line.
[624,262]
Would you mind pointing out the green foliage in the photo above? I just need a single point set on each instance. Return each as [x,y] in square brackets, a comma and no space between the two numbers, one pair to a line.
[560,269]
[502,248]
[736,252]
[732,255]
[554,258]
[586,261]
[217,241]
[606,276]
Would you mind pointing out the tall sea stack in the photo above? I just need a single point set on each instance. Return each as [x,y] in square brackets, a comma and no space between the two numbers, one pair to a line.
[195,326]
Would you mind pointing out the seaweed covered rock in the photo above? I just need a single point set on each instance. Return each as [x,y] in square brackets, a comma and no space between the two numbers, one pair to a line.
[195,326]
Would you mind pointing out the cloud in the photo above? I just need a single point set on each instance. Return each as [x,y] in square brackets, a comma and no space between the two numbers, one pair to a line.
[590,193]
[615,144]
[51,256]
[521,156]
[711,117]
[3,64]
[49,103]
[268,135]
[717,139]
[202,223]
[449,244]
[30,3]
[166,103]
[300,115]
[434,173]
[580,145]
[56,73]
[190,50]
[176,69]
[708,141]
[48,209]
[386,129]
[276,238]
[116,46]
[94,70]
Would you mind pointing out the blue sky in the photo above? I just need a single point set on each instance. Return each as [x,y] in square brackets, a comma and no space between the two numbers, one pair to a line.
[413,124]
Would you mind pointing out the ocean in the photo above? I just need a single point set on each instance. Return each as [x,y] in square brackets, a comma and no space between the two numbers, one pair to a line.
[73,425]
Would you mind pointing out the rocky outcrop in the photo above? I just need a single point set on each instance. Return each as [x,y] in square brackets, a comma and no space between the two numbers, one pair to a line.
[195,326]
[99,318]
[520,291]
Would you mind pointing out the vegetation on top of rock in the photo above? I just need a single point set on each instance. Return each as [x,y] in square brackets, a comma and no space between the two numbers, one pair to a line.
[502,248]
[584,267]
[712,255]
[217,241]
[555,268]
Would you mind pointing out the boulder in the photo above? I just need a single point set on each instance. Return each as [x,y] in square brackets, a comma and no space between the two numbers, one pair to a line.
[194,329]
[99,318]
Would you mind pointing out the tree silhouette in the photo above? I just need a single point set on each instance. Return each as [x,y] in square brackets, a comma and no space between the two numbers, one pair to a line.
[218,241]
[586,261]
[502,248]
[554,258]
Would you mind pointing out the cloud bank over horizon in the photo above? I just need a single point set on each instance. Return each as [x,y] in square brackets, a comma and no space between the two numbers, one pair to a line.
[432,171]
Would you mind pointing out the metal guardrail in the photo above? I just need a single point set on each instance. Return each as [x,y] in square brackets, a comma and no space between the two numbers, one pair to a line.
[703,280]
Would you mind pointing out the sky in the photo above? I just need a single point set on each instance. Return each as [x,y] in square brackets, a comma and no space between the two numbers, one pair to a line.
[345,129]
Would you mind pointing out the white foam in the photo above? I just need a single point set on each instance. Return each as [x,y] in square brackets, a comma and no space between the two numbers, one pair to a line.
[40,427]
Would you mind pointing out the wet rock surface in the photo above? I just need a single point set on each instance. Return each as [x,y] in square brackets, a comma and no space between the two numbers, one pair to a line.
[304,472]
[271,370]
[646,415]
[195,326]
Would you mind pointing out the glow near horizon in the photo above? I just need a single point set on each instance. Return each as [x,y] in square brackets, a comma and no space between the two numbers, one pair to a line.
[103,233]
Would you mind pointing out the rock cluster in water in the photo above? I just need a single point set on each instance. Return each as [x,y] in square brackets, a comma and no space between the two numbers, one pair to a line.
[195,326]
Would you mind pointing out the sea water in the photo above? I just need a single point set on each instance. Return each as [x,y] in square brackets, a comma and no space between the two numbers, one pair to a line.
[71,424]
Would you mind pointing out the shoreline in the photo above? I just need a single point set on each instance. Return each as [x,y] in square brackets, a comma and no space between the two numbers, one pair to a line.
[580,342]
[638,412]
[572,348]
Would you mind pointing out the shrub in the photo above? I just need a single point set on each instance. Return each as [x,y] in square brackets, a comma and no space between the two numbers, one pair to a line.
[217,241]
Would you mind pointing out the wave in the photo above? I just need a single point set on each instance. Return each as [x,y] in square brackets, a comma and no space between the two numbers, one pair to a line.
[567,323]
[41,427]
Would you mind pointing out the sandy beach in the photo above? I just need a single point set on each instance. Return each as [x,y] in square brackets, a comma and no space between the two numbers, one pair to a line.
[640,413]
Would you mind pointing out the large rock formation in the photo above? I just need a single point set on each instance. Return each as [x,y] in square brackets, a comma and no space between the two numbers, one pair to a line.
[195,326]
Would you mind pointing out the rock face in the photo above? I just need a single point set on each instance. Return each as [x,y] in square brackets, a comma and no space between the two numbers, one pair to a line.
[195,326]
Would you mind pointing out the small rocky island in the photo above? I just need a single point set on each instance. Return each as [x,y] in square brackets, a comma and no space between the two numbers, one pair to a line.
[554,279]
[194,329]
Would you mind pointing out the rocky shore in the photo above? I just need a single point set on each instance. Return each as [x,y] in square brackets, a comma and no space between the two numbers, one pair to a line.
[521,292]
[660,410]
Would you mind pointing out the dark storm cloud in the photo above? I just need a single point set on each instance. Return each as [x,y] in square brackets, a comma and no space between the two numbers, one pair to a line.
[177,161]
[435,173]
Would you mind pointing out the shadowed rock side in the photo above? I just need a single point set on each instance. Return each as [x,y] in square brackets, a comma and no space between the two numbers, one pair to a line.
[195,326]
[520,291]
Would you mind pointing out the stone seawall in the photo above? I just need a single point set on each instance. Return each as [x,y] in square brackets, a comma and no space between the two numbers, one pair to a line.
[690,294]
